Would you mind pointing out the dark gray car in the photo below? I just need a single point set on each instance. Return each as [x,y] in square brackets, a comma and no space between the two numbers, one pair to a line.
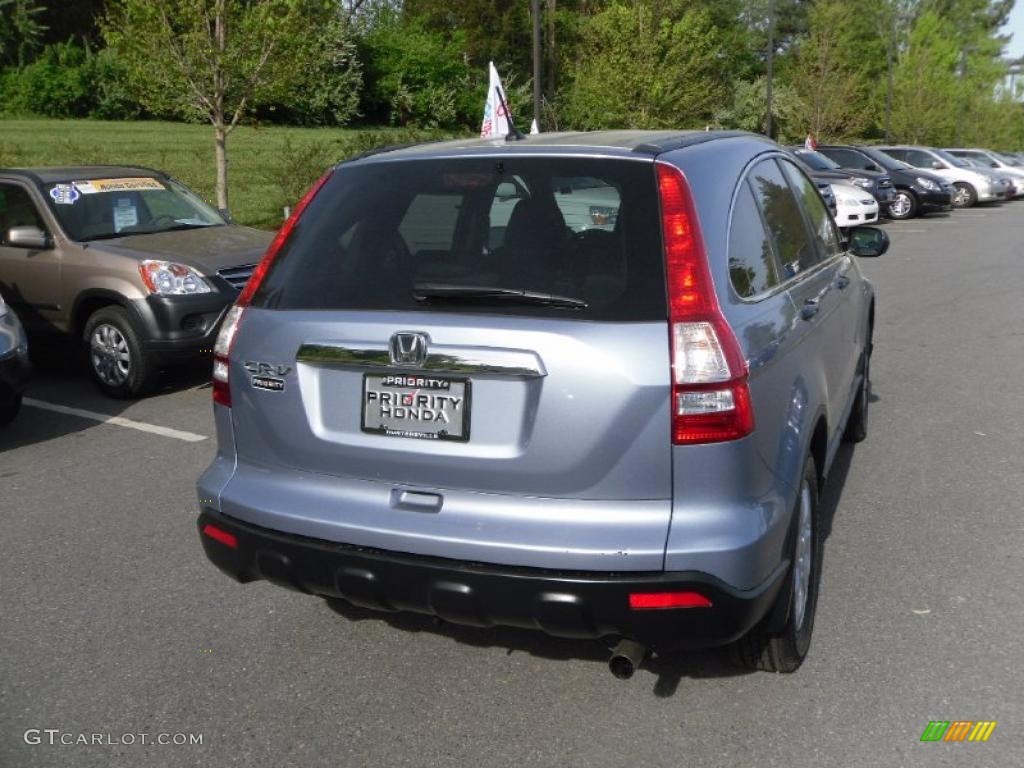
[585,383]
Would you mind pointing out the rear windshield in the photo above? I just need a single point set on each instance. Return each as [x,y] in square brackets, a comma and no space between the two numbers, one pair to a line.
[426,234]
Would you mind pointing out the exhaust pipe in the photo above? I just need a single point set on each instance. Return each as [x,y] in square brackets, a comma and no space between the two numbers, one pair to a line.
[626,658]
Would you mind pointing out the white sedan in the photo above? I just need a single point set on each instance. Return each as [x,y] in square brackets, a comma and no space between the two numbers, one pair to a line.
[854,205]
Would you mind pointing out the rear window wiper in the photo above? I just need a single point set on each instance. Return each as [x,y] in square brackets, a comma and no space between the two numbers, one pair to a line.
[455,292]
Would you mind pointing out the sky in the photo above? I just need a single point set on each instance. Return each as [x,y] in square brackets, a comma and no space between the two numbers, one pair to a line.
[1015,26]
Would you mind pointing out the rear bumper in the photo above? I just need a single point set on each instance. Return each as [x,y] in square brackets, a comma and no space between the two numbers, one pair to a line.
[560,603]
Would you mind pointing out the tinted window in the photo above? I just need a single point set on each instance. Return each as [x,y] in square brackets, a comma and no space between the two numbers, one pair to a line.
[822,223]
[899,154]
[848,158]
[751,261]
[816,160]
[16,210]
[919,159]
[783,218]
[580,228]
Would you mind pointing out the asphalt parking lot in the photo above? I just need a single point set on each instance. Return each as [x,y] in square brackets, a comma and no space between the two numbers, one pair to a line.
[112,621]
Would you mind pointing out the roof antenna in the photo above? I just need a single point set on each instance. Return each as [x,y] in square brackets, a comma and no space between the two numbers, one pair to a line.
[514,134]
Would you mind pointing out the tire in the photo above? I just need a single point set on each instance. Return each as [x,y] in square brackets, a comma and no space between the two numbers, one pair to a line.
[965,195]
[785,649]
[10,404]
[903,205]
[857,423]
[117,361]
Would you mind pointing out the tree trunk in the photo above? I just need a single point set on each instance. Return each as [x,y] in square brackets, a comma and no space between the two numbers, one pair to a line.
[221,144]
[552,51]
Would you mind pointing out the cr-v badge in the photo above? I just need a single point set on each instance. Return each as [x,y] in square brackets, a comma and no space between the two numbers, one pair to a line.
[267,375]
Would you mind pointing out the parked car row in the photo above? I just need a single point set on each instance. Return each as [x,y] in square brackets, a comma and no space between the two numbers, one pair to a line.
[125,260]
[903,181]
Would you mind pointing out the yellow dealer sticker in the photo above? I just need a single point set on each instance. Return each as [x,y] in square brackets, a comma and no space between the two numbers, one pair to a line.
[92,186]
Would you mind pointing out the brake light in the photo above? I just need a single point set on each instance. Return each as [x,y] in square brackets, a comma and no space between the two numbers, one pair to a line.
[647,601]
[225,538]
[710,396]
[229,329]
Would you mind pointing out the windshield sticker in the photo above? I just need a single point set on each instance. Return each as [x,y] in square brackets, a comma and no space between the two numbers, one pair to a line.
[64,194]
[125,214]
[92,186]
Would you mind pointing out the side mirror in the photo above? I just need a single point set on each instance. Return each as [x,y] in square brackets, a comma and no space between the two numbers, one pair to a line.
[28,237]
[868,241]
[871,167]
[938,165]
[226,215]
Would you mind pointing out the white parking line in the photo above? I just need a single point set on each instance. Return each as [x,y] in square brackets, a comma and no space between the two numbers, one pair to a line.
[153,429]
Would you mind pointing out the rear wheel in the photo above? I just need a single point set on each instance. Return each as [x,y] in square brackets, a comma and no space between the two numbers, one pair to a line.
[857,424]
[964,195]
[118,363]
[784,650]
[903,205]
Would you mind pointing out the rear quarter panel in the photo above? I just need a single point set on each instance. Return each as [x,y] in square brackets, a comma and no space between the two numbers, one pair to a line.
[732,501]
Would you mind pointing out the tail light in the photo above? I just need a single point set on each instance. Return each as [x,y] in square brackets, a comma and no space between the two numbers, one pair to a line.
[233,319]
[710,396]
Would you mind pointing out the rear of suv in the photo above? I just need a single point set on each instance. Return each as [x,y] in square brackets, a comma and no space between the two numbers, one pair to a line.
[584,383]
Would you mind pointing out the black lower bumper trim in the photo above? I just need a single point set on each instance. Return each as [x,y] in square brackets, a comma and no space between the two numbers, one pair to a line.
[563,604]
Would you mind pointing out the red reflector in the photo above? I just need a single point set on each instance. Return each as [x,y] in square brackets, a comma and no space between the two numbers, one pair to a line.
[225,538]
[640,601]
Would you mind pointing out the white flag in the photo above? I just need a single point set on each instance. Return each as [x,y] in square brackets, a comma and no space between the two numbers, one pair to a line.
[495,118]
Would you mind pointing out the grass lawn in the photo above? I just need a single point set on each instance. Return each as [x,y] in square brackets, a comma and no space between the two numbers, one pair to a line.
[268,167]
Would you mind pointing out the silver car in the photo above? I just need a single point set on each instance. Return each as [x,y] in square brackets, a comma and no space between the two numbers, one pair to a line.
[450,388]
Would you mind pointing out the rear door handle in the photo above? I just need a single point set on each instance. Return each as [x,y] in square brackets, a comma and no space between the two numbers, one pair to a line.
[810,308]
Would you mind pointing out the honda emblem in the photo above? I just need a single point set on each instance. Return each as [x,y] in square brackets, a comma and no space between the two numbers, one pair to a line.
[408,348]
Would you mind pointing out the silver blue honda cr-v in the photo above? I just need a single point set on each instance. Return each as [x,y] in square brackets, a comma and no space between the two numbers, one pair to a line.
[585,383]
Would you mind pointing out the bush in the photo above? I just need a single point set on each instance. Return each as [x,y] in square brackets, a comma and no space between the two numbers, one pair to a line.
[67,80]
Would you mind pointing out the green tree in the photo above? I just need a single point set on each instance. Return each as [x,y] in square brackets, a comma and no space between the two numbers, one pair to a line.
[648,65]
[836,69]
[21,30]
[749,109]
[926,88]
[218,59]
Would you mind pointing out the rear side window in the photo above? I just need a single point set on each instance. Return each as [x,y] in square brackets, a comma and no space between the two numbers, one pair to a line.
[783,218]
[821,221]
[751,261]
[377,233]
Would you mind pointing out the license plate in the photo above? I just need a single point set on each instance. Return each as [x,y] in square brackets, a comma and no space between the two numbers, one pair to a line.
[416,405]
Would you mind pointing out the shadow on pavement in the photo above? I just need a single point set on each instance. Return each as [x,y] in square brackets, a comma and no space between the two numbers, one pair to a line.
[60,376]
[669,670]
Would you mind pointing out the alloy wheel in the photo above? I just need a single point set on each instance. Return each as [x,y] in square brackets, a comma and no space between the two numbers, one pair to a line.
[900,205]
[802,560]
[108,351]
